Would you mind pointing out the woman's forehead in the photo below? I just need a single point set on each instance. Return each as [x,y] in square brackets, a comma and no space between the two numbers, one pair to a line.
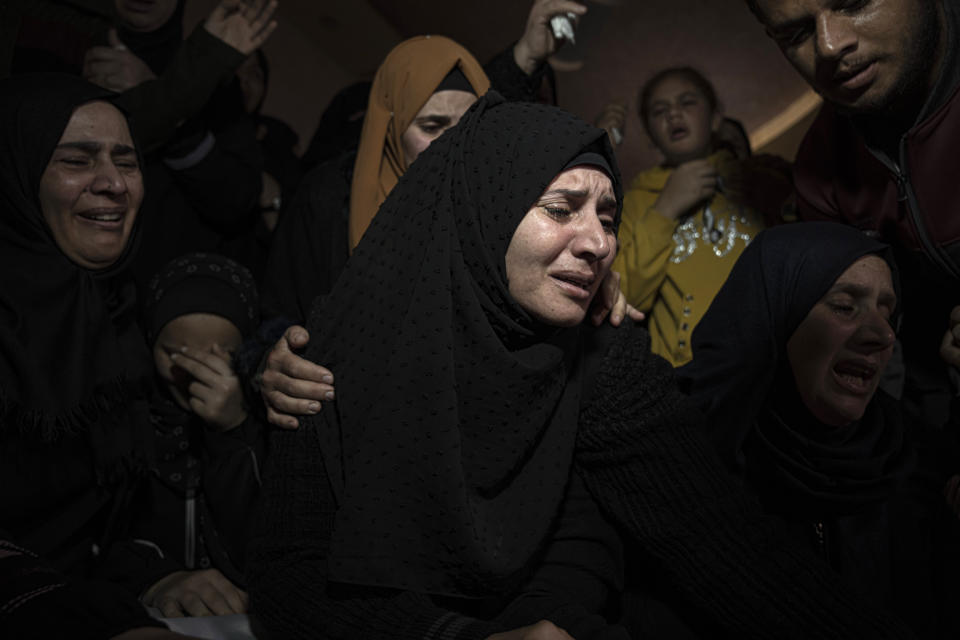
[97,120]
[868,271]
[582,178]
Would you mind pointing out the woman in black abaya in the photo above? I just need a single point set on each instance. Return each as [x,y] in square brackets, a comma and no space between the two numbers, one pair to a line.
[452,490]
[787,364]
[73,367]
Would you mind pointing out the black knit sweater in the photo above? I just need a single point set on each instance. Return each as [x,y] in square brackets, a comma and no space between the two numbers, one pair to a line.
[642,455]
[291,598]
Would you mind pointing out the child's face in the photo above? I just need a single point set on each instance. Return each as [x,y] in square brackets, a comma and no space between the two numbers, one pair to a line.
[680,120]
[198,332]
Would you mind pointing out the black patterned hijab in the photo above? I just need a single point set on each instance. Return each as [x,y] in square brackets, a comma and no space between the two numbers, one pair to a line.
[201,282]
[451,439]
[71,357]
[741,378]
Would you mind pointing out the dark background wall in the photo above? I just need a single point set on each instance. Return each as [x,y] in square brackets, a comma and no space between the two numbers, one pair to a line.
[321,46]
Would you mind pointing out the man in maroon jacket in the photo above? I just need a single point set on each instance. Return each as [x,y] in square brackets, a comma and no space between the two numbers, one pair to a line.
[883,155]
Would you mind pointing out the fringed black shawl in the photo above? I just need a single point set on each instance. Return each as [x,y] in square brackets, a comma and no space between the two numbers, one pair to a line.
[72,360]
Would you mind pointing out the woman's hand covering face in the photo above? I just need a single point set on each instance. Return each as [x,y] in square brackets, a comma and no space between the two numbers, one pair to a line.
[610,303]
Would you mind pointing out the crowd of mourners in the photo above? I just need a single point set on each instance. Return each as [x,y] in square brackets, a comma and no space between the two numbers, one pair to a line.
[445,375]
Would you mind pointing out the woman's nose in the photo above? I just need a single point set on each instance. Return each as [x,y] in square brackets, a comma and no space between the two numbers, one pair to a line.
[591,240]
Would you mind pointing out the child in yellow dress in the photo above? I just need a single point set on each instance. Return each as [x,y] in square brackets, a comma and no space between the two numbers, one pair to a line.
[686,221]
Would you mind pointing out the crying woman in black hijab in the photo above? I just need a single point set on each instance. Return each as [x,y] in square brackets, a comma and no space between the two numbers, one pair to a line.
[73,367]
[787,365]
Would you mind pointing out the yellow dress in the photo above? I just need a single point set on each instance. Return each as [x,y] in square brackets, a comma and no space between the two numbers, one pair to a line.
[671,270]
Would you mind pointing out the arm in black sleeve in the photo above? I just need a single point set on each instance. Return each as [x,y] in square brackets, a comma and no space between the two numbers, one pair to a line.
[581,569]
[643,456]
[511,81]
[291,597]
[38,602]
[202,64]
[231,481]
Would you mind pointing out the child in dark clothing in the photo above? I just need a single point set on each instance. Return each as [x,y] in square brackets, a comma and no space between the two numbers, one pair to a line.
[208,446]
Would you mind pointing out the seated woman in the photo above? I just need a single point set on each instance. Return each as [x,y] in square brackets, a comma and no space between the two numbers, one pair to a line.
[786,366]
[74,368]
[686,222]
[209,448]
[442,495]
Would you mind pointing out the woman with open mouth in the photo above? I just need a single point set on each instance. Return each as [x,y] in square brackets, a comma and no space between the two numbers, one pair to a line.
[787,365]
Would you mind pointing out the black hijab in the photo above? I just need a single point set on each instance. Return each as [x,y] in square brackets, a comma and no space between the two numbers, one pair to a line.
[741,378]
[71,357]
[158,47]
[201,282]
[451,439]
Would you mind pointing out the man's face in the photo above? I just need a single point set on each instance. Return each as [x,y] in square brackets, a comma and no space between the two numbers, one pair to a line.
[864,56]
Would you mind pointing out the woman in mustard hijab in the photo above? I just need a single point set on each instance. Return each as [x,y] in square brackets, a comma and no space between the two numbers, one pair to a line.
[422,88]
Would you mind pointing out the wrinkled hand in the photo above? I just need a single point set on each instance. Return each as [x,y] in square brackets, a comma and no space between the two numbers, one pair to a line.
[243,24]
[114,67]
[613,118]
[293,385]
[951,493]
[543,630]
[950,345]
[610,300]
[215,393]
[537,42]
[689,184]
[196,593]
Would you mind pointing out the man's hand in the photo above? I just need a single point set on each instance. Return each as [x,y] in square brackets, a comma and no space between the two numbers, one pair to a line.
[215,393]
[196,593]
[292,385]
[610,300]
[114,67]
[243,24]
[950,345]
[689,184]
[612,119]
[538,43]
[543,630]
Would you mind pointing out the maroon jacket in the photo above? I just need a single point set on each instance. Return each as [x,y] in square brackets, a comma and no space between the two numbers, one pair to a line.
[915,206]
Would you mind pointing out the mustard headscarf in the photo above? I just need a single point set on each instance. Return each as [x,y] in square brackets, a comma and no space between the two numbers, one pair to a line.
[409,75]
